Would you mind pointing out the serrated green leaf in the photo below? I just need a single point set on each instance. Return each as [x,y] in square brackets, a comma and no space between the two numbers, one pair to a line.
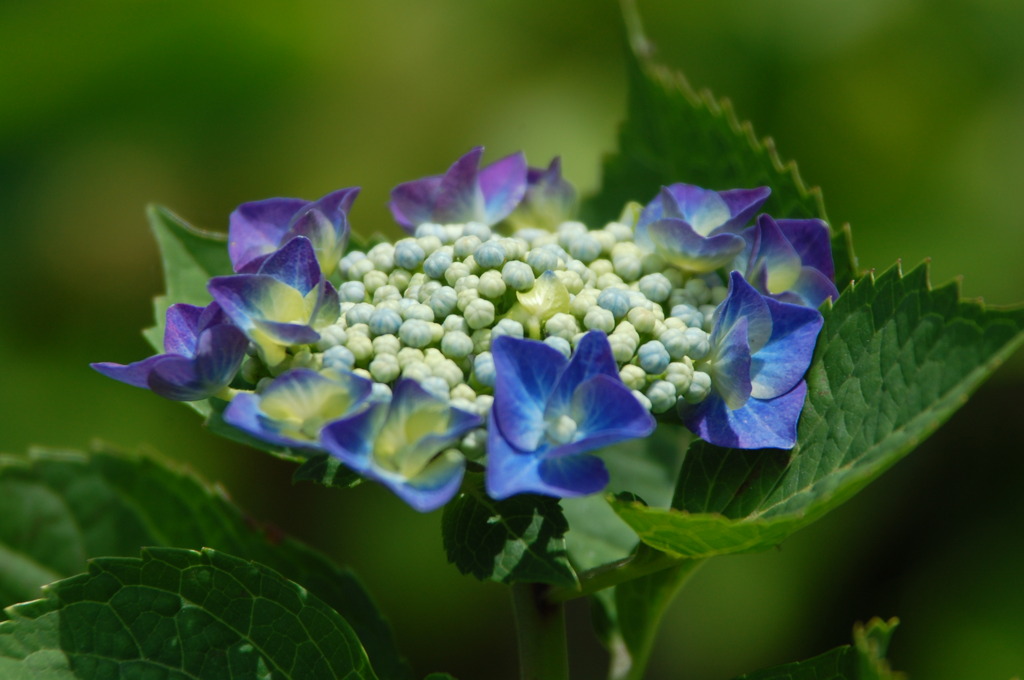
[178,613]
[864,660]
[674,133]
[328,471]
[57,509]
[894,360]
[518,540]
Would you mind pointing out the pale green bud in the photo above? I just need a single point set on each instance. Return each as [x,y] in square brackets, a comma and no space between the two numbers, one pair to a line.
[450,372]
[642,319]
[718,295]
[662,395]
[360,268]
[571,280]
[416,333]
[383,256]
[463,392]
[583,302]
[680,374]
[419,311]
[360,346]
[454,322]
[491,285]
[464,298]
[642,398]
[633,376]
[409,355]
[700,386]
[374,279]
[416,371]
[470,282]
[620,231]
[456,344]
[562,325]
[466,245]
[601,266]
[385,292]
[652,263]
[609,280]
[428,243]
[623,347]
[517,275]
[399,278]
[384,368]
[599,319]
[456,271]
[481,340]
[386,344]
[479,313]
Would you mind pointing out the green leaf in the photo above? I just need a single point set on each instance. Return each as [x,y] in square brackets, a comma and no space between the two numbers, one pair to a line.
[864,660]
[675,134]
[894,360]
[178,613]
[518,540]
[326,470]
[58,509]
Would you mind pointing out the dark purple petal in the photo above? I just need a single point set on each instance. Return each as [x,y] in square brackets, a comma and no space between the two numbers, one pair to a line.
[681,245]
[219,354]
[743,205]
[784,360]
[743,302]
[758,424]
[181,328]
[244,297]
[811,289]
[526,372]
[176,378]
[135,374]
[811,240]
[295,264]
[592,357]
[412,203]
[503,184]
[460,198]
[255,229]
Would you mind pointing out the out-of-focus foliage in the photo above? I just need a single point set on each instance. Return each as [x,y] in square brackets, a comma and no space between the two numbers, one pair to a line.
[906,113]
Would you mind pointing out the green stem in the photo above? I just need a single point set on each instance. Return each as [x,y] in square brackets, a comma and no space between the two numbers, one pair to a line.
[645,562]
[540,624]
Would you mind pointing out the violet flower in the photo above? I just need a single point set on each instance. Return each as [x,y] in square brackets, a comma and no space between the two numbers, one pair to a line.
[694,228]
[790,260]
[404,444]
[549,411]
[203,352]
[462,194]
[257,229]
[760,351]
[285,303]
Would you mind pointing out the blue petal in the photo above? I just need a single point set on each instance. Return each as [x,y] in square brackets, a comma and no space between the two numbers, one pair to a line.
[784,360]
[255,229]
[176,378]
[526,374]
[135,374]
[743,302]
[606,412]
[572,476]
[731,366]
[759,424]
[811,289]
[295,265]
[743,205]
[219,354]
[432,488]
[811,240]
[592,357]
[510,470]
[287,333]
[351,439]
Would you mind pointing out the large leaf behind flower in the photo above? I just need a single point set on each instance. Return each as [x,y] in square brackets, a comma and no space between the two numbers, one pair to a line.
[58,509]
[895,359]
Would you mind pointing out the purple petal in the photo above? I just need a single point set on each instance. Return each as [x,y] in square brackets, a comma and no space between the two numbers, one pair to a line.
[432,488]
[758,424]
[177,378]
[811,289]
[743,302]
[295,264]
[572,476]
[328,306]
[245,297]
[503,184]
[811,240]
[460,198]
[412,203]
[255,229]
[774,262]
[606,412]
[287,333]
[181,328]
[526,372]
[219,354]
[784,360]
[592,357]
[681,245]
[135,374]
[509,470]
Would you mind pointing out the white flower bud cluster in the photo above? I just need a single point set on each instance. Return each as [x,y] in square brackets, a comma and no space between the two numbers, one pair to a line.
[428,307]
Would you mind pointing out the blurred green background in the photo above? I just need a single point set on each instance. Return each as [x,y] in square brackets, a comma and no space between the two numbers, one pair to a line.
[908,113]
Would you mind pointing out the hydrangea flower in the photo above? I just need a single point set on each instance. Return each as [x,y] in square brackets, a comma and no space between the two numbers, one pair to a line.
[203,352]
[283,304]
[257,229]
[463,194]
[549,411]
[549,199]
[296,405]
[790,260]
[759,352]
[404,444]
[694,228]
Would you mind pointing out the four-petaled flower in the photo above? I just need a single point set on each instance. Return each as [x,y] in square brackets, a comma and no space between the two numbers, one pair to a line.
[760,351]
[293,408]
[285,303]
[694,228]
[257,229]
[789,260]
[203,352]
[549,412]
[404,444]
[463,194]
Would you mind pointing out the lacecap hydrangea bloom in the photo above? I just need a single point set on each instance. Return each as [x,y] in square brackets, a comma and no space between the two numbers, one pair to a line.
[501,331]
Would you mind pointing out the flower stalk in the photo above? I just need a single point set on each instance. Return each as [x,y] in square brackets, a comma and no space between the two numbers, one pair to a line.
[540,631]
